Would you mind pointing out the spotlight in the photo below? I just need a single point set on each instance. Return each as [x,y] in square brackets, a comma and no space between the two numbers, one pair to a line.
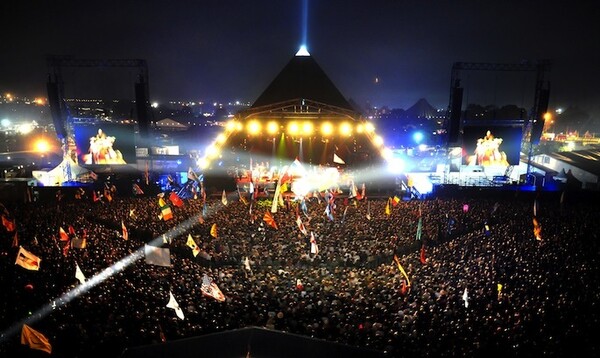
[307,128]
[221,138]
[360,128]
[378,140]
[253,127]
[272,127]
[345,129]
[369,127]
[230,126]
[418,137]
[293,128]
[326,128]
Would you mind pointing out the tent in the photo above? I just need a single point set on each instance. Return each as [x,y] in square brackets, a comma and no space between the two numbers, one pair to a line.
[66,171]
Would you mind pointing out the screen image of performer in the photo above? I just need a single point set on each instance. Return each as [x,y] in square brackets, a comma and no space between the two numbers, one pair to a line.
[487,152]
[101,150]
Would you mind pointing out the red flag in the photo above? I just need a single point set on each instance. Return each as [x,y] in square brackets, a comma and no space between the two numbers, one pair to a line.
[71,230]
[95,197]
[15,242]
[63,236]
[423,259]
[175,199]
[8,224]
[268,218]
[125,232]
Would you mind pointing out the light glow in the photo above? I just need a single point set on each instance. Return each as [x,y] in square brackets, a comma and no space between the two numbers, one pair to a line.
[293,128]
[346,129]
[253,127]
[326,128]
[307,128]
[272,127]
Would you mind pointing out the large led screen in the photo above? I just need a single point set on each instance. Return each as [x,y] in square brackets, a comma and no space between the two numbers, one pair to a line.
[105,143]
[492,145]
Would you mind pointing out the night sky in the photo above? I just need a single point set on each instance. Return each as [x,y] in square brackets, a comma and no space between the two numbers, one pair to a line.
[230,50]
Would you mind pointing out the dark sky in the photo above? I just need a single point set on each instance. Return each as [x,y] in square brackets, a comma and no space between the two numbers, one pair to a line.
[228,50]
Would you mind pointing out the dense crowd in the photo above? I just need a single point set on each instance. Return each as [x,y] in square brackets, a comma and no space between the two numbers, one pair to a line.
[486,285]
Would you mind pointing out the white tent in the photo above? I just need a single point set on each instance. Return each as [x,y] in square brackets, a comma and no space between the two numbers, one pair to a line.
[66,171]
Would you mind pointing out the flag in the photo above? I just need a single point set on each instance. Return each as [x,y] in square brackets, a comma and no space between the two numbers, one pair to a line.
[422,258]
[362,194]
[27,260]
[268,218]
[8,224]
[276,196]
[166,213]
[536,206]
[368,210]
[15,242]
[213,231]
[465,298]
[395,200]
[95,197]
[192,245]
[242,198]
[344,215]
[387,208]
[301,225]
[353,192]
[157,256]
[63,236]
[174,305]
[35,340]
[137,190]
[210,289]
[79,274]
[499,290]
[78,243]
[247,264]
[299,285]
[175,199]
[337,159]
[224,198]
[125,232]
[537,229]
[192,175]
[419,229]
[147,174]
[314,248]
[402,270]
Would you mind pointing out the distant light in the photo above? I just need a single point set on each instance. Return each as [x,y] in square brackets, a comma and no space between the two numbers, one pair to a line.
[422,147]
[5,122]
[326,128]
[346,129]
[154,104]
[547,116]
[378,140]
[230,126]
[369,127]
[42,146]
[221,138]
[559,110]
[302,51]
[293,128]
[203,163]
[253,127]
[360,128]
[307,128]
[212,151]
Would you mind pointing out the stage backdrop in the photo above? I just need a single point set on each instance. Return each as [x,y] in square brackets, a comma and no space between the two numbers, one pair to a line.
[105,143]
[490,145]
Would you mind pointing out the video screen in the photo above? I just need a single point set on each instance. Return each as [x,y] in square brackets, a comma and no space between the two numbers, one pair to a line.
[105,143]
[492,145]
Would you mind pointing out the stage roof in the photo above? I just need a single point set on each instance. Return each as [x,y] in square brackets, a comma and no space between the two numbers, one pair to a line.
[302,78]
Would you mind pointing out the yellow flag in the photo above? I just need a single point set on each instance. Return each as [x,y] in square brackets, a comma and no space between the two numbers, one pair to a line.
[402,270]
[213,231]
[387,208]
[35,340]
[161,203]
[499,288]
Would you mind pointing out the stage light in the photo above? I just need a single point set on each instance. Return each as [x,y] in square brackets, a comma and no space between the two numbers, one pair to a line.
[418,137]
[307,128]
[230,126]
[253,127]
[386,153]
[378,140]
[369,127]
[547,116]
[326,128]
[238,126]
[395,165]
[212,151]
[272,127]
[303,51]
[293,128]
[42,145]
[202,163]
[221,138]
[346,129]
[360,128]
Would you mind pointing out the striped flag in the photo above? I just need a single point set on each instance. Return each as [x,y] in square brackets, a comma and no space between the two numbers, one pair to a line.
[27,260]
[210,289]
[166,213]
[301,225]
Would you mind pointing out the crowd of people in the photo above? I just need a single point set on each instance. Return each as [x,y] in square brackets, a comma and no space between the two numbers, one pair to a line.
[477,281]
